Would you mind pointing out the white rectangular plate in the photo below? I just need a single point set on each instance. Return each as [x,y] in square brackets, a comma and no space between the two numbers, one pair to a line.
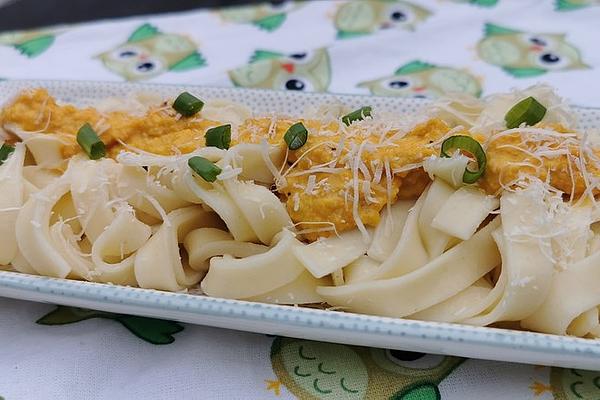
[331,326]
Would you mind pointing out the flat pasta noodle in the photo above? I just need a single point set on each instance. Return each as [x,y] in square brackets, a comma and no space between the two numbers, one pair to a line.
[527,268]
[203,244]
[326,256]
[90,186]
[158,264]
[33,231]
[302,290]
[434,240]
[45,149]
[216,197]
[262,209]
[389,230]
[228,277]
[464,211]
[146,193]
[410,253]
[453,309]
[573,292]
[253,165]
[362,269]
[11,177]
[440,279]
[119,241]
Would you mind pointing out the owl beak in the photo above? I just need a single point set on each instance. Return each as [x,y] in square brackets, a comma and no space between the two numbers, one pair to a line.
[289,67]
[536,48]
[419,89]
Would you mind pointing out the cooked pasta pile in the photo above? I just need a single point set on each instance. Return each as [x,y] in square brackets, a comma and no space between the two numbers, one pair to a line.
[474,211]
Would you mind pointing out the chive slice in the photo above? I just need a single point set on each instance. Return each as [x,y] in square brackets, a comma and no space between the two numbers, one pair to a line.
[470,145]
[296,136]
[219,136]
[206,169]
[357,115]
[5,151]
[529,111]
[187,104]
[90,142]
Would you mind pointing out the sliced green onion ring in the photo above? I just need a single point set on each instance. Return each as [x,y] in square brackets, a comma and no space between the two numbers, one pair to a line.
[187,104]
[219,136]
[357,115]
[5,151]
[470,145]
[530,111]
[90,142]
[296,136]
[206,169]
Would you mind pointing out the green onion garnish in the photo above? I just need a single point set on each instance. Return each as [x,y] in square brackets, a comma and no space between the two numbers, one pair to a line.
[296,136]
[5,151]
[470,145]
[90,142]
[205,168]
[187,105]
[529,111]
[219,136]
[357,115]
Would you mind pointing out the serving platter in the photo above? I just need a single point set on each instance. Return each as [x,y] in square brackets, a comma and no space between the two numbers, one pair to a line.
[315,324]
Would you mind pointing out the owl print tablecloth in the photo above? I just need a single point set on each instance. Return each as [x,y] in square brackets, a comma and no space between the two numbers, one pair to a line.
[383,47]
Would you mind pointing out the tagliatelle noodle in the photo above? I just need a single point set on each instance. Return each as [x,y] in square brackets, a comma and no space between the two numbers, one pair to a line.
[434,240]
[409,253]
[45,149]
[120,240]
[389,230]
[202,244]
[325,256]
[525,261]
[302,290]
[11,177]
[362,269]
[435,282]
[255,275]
[464,211]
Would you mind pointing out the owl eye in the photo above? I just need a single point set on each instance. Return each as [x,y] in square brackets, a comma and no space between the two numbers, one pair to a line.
[127,54]
[147,67]
[538,41]
[302,57]
[413,360]
[298,56]
[295,84]
[398,84]
[399,15]
[551,60]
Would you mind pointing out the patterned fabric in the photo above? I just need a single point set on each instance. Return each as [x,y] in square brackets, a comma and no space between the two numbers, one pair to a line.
[384,47]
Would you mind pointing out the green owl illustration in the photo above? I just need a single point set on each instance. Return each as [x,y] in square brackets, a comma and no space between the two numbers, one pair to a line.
[569,5]
[268,16]
[30,43]
[151,330]
[420,79]
[524,54]
[324,371]
[574,384]
[306,71]
[360,17]
[149,52]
